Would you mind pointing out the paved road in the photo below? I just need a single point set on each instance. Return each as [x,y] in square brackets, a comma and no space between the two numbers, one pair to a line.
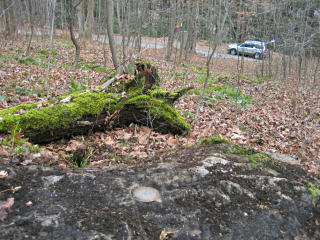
[198,50]
[158,46]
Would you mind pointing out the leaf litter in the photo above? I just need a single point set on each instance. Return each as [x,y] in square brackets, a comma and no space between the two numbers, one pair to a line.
[280,119]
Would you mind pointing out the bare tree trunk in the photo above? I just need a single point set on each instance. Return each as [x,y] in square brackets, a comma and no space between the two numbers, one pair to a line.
[115,56]
[47,86]
[192,31]
[172,20]
[72,11]
[81,17]
[30,15]
[9,26]
[205,83]
[88,26]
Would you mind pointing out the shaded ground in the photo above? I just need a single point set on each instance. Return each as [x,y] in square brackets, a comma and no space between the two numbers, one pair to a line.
[207,192]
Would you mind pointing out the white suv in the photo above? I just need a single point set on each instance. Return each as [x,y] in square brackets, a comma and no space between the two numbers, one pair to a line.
[255,49]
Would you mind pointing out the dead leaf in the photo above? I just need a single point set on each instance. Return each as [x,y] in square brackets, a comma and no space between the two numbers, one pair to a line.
[166,234]
[126,136]
[139,154]
[15,189]
[73,145]
[46,154]
[3,174]
[5,208]
[26,162]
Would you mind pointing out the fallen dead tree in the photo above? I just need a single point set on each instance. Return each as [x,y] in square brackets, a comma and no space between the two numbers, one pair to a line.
[132,99]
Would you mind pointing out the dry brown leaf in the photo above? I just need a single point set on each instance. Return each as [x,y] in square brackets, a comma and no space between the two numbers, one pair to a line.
[5,208]
[139,154]
[166,234]
[73,145]
[3,174]
[126,136]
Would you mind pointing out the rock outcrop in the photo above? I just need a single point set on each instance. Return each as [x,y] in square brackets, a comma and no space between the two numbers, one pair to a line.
[197,193]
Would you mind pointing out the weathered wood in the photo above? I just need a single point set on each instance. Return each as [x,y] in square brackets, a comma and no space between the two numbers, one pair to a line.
[80,113]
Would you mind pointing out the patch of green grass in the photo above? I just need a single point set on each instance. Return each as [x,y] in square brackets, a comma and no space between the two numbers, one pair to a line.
[63,42]
[20,91]
[316,117]
[101,69]
[77,87]
[46,52]
[201,78]
[89,66]
[223,92]
[32,61]
[7,58]
[17,143]
[85,162]
[204,69]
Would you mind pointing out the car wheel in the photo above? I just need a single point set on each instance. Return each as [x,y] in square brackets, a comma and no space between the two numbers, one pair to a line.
[256,56]
[233,52]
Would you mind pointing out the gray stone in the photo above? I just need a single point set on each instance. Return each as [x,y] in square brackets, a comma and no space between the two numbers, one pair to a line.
[282,158]
[213,197]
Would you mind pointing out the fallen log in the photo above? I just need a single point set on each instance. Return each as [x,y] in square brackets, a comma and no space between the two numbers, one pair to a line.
[136,100]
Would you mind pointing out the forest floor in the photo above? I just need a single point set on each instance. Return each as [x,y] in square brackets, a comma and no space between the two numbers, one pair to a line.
[265,112]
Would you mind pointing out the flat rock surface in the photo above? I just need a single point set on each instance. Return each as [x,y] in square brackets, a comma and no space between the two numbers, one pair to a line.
[204,194]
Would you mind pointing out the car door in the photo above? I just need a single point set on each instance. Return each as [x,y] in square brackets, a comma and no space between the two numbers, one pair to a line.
[242,48]
[250,49]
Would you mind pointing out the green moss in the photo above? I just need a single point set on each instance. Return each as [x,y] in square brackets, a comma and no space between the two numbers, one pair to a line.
[160,93]
[56,115]
[258,158]
[133,87]
[242,150]
[213,139]
[160,110]
[16,109]
[314,189]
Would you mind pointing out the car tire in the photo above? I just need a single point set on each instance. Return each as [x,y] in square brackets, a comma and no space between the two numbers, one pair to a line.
[256,56]
[233,52]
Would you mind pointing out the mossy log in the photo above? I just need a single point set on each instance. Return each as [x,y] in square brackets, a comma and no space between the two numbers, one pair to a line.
[139,100]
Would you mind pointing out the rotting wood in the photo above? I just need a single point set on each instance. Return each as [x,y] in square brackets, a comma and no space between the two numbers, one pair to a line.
[80,113]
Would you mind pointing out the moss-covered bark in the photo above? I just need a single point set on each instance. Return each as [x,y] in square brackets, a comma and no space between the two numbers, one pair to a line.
[82,112]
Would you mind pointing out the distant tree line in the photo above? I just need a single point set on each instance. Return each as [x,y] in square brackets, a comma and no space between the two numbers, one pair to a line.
[294,24]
